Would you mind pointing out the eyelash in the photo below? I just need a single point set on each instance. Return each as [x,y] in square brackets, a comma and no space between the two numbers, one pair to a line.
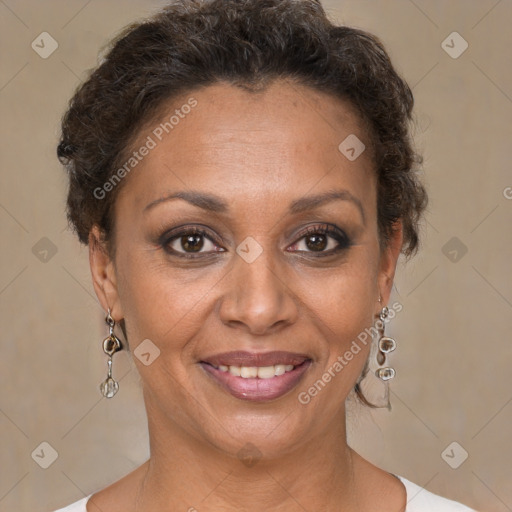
[324,229]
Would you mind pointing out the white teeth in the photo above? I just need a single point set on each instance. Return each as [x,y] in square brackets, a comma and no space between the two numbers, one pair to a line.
[280,369]
[266,372]
[234,370]
[251,372]
[248,372]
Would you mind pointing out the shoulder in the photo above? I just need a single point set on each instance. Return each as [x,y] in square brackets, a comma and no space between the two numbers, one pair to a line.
[421,500]
[418,500]
[116,496]
[77,506]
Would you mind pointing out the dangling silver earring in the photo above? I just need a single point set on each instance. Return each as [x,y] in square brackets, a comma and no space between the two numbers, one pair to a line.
[386,345]
[111,344]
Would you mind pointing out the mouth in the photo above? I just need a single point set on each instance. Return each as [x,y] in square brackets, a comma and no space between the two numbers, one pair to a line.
[257,377]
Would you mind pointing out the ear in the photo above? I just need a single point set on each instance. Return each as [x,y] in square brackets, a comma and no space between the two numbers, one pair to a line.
[103,272]
[388,260]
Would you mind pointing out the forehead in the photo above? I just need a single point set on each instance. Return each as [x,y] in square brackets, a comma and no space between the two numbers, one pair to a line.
[237,144]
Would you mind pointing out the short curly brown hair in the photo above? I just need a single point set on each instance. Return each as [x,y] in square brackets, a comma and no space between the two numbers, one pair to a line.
[246,43]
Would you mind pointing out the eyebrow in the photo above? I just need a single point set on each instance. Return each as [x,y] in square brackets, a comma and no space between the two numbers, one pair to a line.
[212,203]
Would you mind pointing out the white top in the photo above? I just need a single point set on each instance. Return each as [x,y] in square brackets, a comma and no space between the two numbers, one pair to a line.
[418,500]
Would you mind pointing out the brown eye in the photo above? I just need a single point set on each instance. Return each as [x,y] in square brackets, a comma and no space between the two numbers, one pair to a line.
[324,239]
[189,242]
[316,242]
[192,243]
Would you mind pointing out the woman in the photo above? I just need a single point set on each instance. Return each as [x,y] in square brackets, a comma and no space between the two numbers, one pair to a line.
[243,175]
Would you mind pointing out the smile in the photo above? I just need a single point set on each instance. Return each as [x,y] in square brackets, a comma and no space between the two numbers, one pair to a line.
[257,383]
[261,372]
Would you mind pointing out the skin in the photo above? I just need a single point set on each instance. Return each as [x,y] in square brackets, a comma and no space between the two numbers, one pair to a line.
[258,152]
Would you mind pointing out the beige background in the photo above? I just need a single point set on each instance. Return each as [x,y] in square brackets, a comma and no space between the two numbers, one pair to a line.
[454,358]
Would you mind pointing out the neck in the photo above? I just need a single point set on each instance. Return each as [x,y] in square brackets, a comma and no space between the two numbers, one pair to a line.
[185,472]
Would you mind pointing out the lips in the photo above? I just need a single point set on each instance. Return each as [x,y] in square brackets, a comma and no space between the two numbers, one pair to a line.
[241,358]
[289,371]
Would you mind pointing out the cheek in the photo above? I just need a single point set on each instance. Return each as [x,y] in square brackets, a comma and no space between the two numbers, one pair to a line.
[164,302]
[347,305]
[165,305]
[174,307]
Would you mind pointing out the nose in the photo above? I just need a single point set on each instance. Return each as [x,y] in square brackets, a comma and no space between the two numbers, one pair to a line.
[259,299]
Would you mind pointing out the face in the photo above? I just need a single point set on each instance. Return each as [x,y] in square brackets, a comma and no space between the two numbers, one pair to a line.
[271,246]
